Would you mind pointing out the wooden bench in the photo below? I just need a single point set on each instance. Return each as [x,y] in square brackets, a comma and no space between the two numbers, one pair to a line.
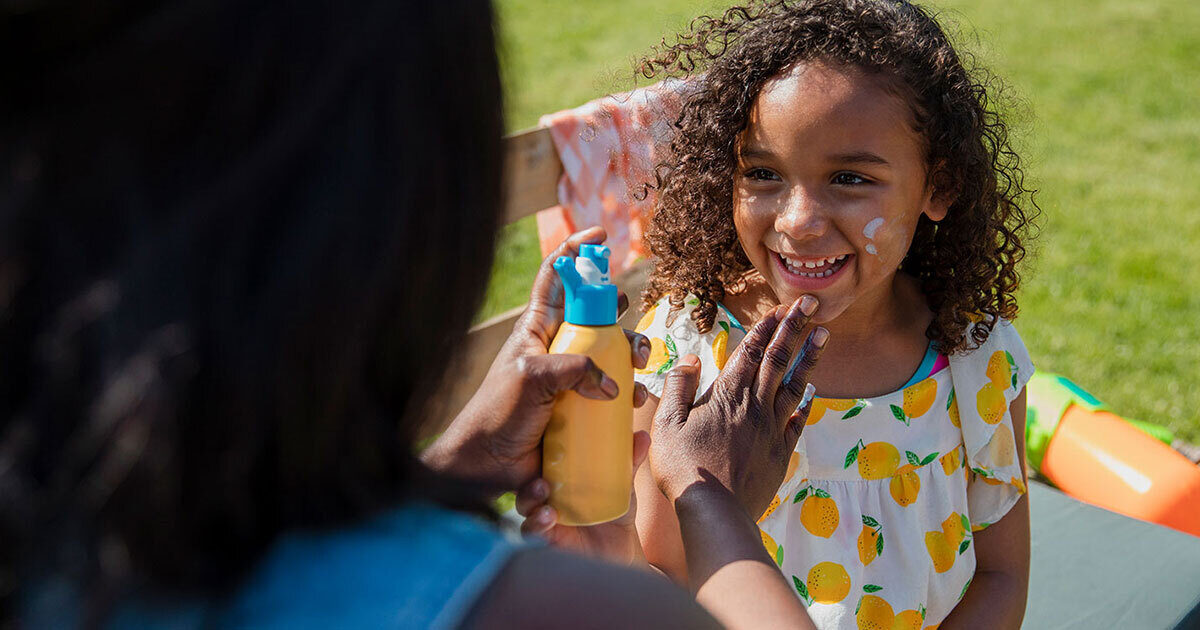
[531,173]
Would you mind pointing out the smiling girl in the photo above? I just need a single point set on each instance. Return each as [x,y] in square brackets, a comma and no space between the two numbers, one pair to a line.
[841,150]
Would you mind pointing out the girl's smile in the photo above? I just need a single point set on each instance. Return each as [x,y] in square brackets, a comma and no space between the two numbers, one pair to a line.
[830,184]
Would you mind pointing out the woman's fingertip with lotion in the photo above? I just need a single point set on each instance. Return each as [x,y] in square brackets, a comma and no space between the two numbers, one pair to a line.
[808,305]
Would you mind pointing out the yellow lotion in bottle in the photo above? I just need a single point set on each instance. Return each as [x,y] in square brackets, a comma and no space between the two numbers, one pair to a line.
[588,447]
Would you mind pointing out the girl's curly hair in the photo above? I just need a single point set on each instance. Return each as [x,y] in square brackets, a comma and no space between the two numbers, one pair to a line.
[966,264]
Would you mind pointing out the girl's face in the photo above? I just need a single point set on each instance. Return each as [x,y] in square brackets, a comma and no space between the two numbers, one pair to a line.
[829,185]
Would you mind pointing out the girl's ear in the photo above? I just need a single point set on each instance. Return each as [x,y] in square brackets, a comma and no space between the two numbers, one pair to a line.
[939,195]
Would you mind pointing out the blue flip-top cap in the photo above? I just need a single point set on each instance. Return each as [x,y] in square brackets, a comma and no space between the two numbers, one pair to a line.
[591,299]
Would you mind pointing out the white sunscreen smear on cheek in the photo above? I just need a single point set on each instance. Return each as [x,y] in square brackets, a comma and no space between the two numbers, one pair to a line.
[869,231]
[873,227]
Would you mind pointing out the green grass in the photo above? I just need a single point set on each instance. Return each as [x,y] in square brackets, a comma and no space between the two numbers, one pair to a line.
[1107,122]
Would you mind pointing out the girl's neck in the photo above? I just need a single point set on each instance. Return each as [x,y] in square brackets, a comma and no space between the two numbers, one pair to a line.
[875,345]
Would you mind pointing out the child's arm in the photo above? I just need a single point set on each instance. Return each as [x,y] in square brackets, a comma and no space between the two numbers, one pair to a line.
[996,597]
[657,525]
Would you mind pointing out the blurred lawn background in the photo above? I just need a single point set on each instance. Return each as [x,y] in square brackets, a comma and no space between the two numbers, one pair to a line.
[1104,112]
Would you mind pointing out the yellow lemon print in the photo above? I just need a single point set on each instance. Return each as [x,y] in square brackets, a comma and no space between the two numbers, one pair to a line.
[720,346]
[933,627]
[1018,483]
[646,319]
[955,527]
[870,540]
[662,356]
[773,549]
[851,406]
[951,461]
[1002,370]
[940,551]
[1002,448]
[828,583]
[877,460]
[952,409]
[990,403]
[819,514]
[874,613]
[909,619]
[917,400]
[905,486]
[793,463]
[770,508]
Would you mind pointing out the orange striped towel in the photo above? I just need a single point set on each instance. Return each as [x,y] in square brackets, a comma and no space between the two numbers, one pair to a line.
[608,149]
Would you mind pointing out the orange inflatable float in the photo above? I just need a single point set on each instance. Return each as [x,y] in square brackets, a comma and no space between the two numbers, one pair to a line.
[1098,457]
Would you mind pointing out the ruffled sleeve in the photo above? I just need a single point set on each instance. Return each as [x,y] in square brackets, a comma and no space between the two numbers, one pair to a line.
[674,335]
[986,381]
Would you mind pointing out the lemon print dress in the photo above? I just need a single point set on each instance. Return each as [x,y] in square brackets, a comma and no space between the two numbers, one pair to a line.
[874,522]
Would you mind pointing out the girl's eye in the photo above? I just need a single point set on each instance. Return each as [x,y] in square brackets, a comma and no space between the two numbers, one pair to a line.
[848,179]
[761,175]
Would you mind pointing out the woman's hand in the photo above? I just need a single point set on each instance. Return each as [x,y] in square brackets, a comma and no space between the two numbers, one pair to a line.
[743,431]
[615,541]
[497,436]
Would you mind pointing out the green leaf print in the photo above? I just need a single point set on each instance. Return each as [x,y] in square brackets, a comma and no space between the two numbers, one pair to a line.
[879,544]
[899,414]
[872,588]
[672,355]
[724,326]
[858,407]
[963,547]
[800,496]
[821,493]
[950,400]
[779,556]
[851,456]
[694,302]
[964,591]
[982,472]
[966,523]
[912,458]
[869,522]
[1014,380]
[929,458]
[803,590]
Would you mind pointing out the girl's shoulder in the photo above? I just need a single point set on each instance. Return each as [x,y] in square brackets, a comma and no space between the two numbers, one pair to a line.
[673,334]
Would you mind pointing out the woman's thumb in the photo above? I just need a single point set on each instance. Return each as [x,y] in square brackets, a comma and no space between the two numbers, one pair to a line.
[679,390]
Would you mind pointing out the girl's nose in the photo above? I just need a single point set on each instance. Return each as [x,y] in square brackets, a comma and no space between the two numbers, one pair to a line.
[803,215]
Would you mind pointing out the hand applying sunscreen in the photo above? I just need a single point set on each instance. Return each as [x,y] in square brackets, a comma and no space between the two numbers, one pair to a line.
[585,452]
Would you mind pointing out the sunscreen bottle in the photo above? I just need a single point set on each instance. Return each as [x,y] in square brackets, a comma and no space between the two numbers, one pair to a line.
[588,447]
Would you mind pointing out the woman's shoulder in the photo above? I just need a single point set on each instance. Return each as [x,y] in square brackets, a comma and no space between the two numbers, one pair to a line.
[674,334]
[421,563]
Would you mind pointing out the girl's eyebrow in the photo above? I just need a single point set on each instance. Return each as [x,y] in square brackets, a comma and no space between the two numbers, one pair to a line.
[860,157]
[754,152]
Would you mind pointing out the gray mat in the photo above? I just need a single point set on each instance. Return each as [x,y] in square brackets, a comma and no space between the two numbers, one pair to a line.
[1092,568]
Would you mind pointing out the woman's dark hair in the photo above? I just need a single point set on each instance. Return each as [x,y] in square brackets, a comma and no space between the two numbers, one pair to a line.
[966,264]
[238,242]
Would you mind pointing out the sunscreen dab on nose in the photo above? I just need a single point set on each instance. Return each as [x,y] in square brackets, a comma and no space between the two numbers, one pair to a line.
[588,447]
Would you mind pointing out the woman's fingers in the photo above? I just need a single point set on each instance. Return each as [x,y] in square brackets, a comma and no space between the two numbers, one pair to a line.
[742,366]
[540,522]
[791,391]
[639,347]
[532,495]
[550,374]
[777,358]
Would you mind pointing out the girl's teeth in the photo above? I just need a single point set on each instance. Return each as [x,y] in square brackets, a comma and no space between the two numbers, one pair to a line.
[797,267]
